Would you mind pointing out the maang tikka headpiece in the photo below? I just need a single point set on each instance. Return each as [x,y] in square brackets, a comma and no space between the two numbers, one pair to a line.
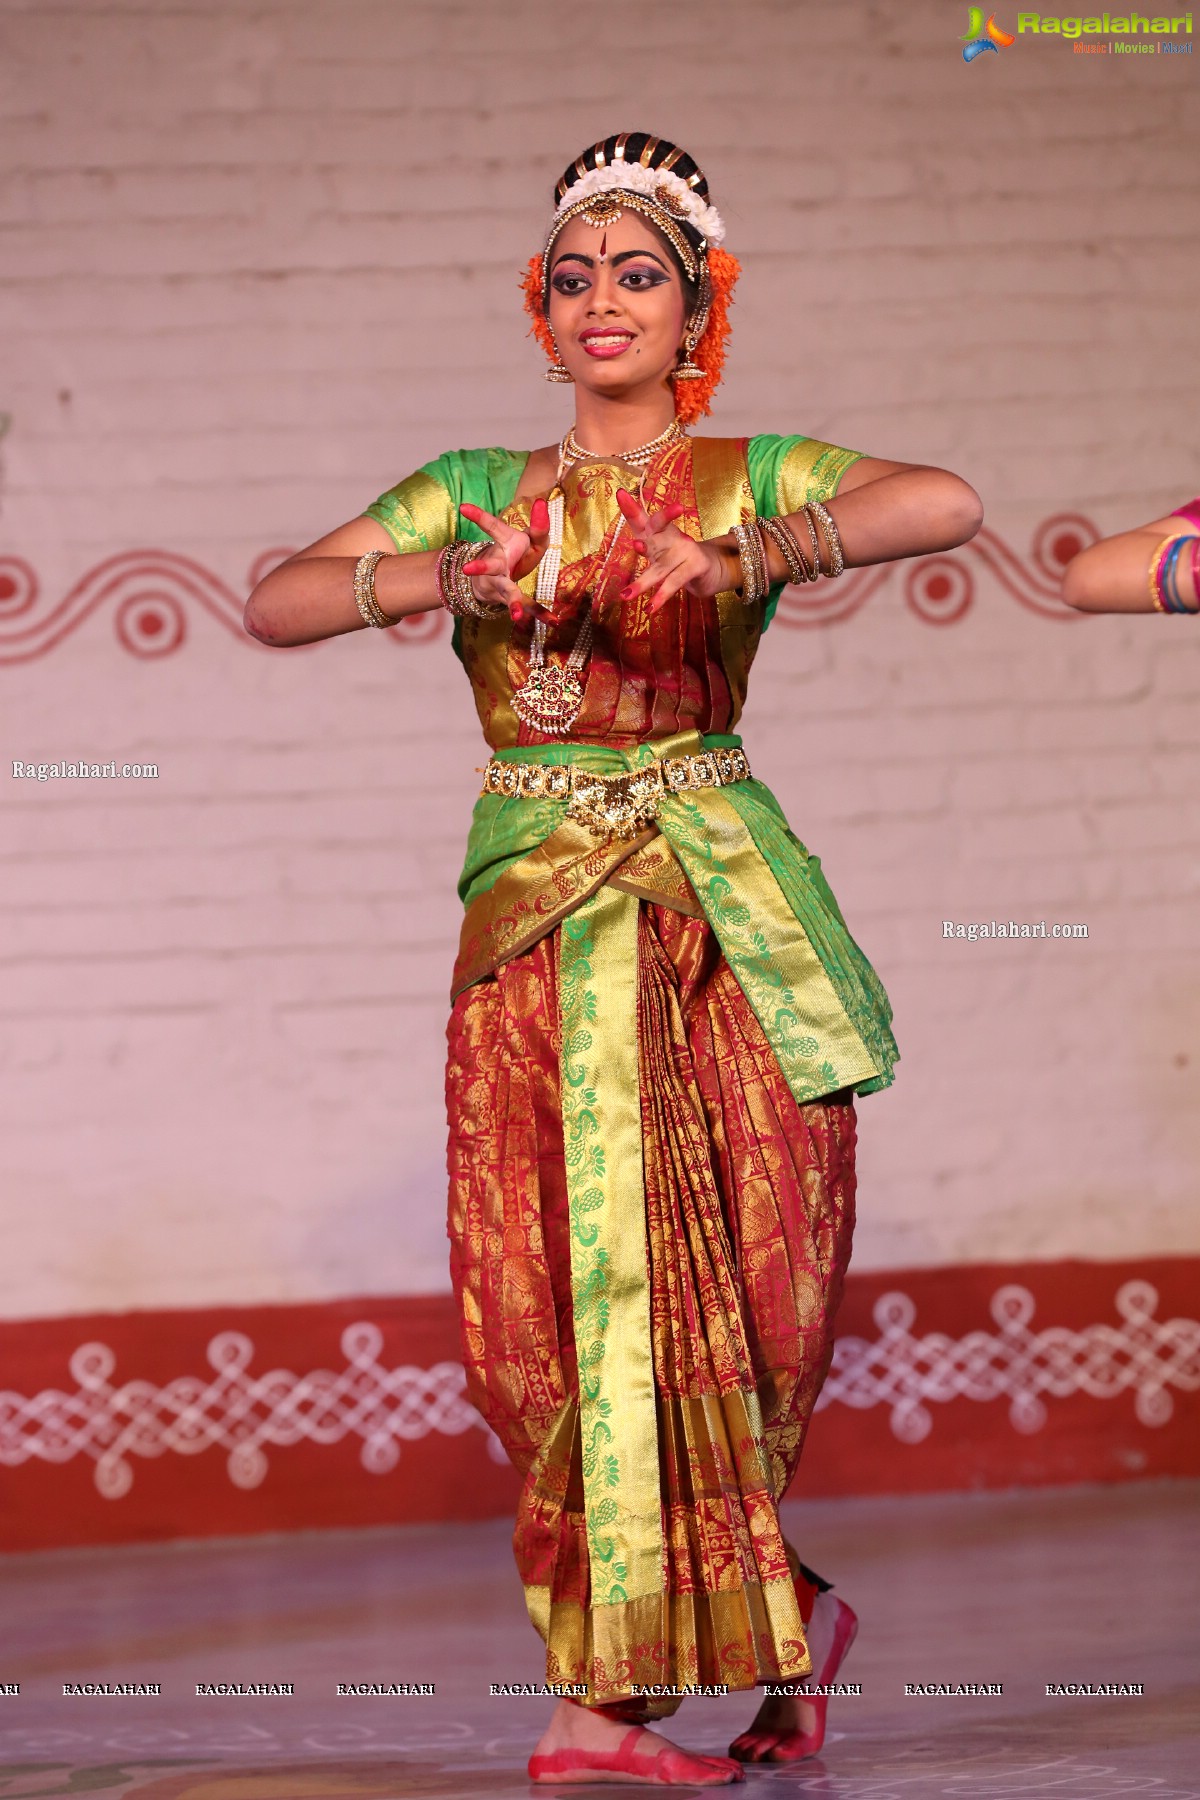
[601,194]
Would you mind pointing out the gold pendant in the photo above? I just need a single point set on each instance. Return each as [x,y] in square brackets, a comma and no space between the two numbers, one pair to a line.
[550,699]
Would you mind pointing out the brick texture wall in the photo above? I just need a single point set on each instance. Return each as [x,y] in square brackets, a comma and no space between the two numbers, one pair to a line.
[258,263]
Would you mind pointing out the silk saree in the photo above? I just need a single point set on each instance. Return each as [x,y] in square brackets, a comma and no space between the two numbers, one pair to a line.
[654,1050]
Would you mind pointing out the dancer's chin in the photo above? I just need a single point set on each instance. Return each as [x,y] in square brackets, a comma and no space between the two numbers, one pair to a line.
[618,381]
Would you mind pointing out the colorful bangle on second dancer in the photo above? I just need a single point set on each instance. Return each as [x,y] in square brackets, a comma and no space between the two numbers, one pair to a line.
[1163,575]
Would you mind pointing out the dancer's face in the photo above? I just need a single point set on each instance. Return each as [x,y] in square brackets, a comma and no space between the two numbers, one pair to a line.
[617,304]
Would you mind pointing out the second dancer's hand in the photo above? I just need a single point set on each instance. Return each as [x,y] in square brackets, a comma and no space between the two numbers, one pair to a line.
[675,563]
[511,555]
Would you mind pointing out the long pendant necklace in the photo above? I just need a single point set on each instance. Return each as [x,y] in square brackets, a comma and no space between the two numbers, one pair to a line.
[550,697]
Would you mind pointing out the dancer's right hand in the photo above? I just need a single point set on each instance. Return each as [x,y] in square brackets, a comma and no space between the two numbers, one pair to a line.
[511,555]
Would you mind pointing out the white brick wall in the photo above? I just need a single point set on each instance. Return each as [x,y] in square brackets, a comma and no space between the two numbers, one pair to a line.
[253,268]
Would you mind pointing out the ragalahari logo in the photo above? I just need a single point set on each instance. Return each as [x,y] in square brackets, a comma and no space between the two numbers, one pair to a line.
[983,37]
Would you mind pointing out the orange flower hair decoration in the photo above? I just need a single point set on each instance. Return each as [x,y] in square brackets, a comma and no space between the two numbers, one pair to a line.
[693,399]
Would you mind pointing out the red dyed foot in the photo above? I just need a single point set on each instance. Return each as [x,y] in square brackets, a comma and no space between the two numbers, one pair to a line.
[779,1743]
[670,1767]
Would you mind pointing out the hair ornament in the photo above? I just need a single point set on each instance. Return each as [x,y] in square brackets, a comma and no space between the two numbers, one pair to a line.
[660,185]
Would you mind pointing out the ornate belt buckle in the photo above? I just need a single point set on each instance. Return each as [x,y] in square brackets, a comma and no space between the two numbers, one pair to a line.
[615,805]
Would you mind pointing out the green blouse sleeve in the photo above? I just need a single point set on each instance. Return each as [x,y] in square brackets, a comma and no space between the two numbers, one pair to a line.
[786,473]
[421,512]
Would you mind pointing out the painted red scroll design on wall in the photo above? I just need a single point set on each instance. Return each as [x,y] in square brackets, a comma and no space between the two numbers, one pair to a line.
[151,597]
[242,1413]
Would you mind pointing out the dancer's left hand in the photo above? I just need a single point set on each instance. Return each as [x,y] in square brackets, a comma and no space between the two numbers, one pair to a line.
[675,563]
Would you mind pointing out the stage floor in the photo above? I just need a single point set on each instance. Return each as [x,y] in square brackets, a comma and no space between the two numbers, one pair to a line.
[1080,1585]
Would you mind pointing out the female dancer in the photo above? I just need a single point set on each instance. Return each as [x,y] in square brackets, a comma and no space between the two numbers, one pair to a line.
[660,1018]
[1154,568]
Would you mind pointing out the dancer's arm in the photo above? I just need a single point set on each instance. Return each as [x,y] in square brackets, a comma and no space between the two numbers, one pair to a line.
[1114,575]
[311,595]
[885,510]
[882,510]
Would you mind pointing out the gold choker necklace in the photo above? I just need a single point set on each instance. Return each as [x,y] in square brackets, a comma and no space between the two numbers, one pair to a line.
[572,451]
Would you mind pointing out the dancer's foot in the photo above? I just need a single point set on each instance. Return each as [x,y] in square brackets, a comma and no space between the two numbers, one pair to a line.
[581,1745]
[787,1727]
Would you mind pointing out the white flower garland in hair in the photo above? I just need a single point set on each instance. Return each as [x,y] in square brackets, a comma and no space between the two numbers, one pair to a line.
[688,203]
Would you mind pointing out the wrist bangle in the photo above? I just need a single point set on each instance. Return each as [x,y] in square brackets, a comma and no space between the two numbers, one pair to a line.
[1152,574]
[810,523]
[454,587]
[837,560]
[1169,577]
[1162,576]
[785,540]
[364,590]
[753,559]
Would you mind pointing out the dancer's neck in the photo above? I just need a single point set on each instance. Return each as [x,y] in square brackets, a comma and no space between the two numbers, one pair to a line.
[607,427]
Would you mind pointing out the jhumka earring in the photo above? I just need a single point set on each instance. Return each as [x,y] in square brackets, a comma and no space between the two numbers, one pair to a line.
[687,369]
[558,370]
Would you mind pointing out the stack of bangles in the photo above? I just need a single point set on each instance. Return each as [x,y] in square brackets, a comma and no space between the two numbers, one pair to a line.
[751,541]
[364,590]
[454,587]
[1164,575]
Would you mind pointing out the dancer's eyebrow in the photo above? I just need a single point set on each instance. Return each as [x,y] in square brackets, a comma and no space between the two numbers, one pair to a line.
[621,256]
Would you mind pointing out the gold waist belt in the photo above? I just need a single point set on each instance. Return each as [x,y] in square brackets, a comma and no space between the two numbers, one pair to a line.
[615,805]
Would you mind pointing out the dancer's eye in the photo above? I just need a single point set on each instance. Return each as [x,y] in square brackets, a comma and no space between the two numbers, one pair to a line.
[569,284]
[642,279]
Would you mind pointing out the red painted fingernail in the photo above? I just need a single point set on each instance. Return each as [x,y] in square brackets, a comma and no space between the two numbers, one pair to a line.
[627,592]
[518,615]
[639,546]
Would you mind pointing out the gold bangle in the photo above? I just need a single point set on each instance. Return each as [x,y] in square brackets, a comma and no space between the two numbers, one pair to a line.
[364,590]
[1153,572]
[805,513]
[833,541]
[786,542]
[759,551]
[753,559]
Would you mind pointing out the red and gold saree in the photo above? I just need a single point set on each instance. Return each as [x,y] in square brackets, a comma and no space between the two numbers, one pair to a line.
[654,1049]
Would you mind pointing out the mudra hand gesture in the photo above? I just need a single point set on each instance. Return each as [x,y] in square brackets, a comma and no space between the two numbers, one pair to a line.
[511,555]
[675,563]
